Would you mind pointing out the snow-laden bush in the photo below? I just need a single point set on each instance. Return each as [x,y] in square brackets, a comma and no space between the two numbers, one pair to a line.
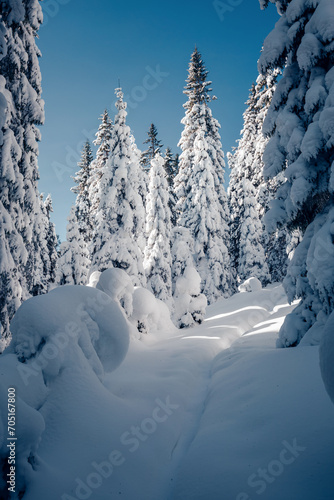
[190,303]
[143,310]
[149,313]
[250,285]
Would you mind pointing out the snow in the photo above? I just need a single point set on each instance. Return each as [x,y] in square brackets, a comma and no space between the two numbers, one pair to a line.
[190,414]
[250,285]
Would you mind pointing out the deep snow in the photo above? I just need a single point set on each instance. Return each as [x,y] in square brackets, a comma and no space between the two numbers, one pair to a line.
[214,412]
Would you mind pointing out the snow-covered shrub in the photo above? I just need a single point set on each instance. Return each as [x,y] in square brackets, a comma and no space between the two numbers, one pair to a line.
[250,285]
[190,303]
[149,314]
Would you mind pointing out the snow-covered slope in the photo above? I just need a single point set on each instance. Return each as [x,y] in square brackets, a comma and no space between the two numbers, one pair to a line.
[214,412]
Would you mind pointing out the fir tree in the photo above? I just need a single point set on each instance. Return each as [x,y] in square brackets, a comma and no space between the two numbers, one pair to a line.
[154,147]
[102,140]
[158,260]
[202,202]
[301,147]
[83,203]
[247,235]
[51,241]
[21,109]
[73,263]
[118,235]
[169,166]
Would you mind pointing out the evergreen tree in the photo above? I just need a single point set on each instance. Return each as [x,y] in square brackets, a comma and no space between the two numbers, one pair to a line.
[73,263]
[202,202]
[102,140]
[83,202]
[176,165]
[118,235]
[158,259]
[21,109]
[154,147]
[247,235]
[301,146]
[51,241]
[169,166]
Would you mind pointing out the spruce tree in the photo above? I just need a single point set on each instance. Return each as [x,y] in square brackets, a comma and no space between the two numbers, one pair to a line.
[118,237]
[73,263]
[247,234]
[154,147]
[199,185]
[301,146]
[158,259]
[21,110]
[83,202]
[169,166]
[103,136]
[51,241]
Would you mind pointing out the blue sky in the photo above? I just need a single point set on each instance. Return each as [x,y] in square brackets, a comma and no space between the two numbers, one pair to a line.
[87,46]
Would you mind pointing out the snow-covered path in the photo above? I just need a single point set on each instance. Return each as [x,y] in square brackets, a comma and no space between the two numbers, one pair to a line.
[210,413]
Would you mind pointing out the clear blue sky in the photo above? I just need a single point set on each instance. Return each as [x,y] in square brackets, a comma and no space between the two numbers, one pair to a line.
[87,46]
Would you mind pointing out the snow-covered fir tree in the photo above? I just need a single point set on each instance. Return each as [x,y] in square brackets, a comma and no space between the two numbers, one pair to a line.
[300,125]
[199,185]
[21,109]
[118,237]
[51,240]
[83,202]
[247,236]
[73,263]
[169,166]
[154,147]
[103,136]
[190,303]
[251,259]
[157,256]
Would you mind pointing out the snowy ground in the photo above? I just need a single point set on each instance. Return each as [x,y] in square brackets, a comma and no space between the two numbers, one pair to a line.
[210,413]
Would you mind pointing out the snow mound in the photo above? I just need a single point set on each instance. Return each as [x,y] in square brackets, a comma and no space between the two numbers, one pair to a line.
[250,285]
[70,326]
[326,356]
